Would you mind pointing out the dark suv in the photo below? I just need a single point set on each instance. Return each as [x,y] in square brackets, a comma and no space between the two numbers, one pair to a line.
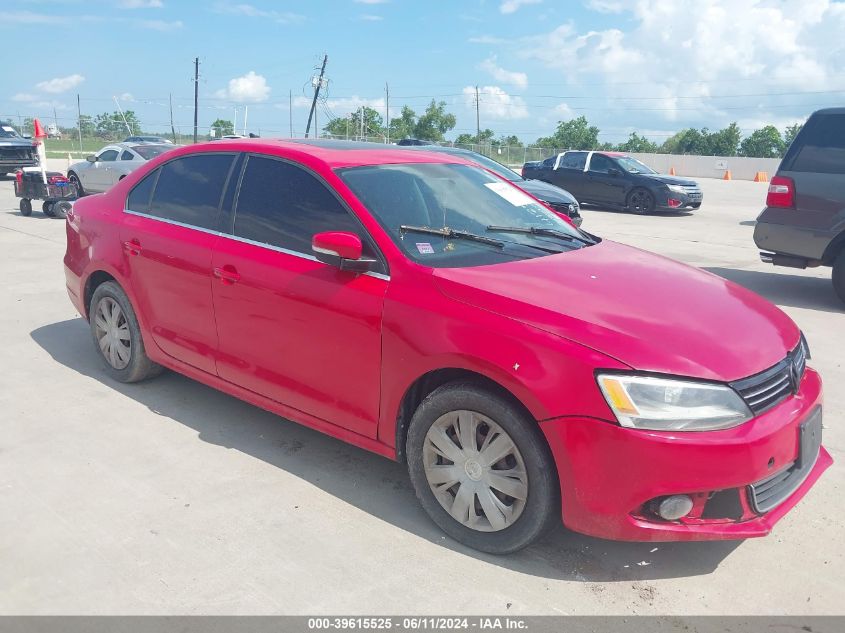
[803,223]
[15,150]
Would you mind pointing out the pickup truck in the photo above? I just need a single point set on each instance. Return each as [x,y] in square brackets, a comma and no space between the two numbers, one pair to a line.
[616,180]
[15,150]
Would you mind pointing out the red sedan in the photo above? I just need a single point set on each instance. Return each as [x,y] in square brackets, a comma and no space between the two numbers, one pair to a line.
[421,307]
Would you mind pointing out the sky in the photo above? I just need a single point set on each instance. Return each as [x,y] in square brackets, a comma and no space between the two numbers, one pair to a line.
[650,66]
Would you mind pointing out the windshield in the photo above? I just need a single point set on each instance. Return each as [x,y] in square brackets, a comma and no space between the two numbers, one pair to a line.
[7,131]
[634,166]
[151,151]
[494,166]
[422,206]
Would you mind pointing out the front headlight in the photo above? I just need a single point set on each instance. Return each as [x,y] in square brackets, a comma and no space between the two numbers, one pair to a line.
[664,404]
[676,188]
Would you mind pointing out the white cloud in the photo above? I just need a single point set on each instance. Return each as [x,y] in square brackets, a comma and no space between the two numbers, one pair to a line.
[24,97]
[140,4]
[126,96]
[495,103]
[250,88]
[251,11]
[160,25]
[564,111]
[371,18]
[512,6]
[690,61]
[60,84]
[503,76]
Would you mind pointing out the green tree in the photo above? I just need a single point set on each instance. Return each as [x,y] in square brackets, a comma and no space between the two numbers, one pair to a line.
[350,125]
[790,133]
[485,138]
[111,126]
[572,134]
[637,143]
[222,127]
[763,143]
[403,126]
[511,141]
[434,122]
[725,142]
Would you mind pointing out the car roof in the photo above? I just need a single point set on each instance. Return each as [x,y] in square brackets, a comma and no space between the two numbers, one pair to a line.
[335,154]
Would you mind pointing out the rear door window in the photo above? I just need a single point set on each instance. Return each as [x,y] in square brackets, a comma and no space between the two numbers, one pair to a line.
[189,189]
[821,146]
[573,160]
[127,155]
[283,205]
[139,197]
[600,163]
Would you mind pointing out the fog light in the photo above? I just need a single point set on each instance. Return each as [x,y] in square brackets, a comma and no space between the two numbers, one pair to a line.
[674,507]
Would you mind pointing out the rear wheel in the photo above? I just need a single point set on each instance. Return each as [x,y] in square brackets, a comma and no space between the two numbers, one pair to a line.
[640,201]
[481,469]
[26,206]
[839,275]
[47,209]
[117,336]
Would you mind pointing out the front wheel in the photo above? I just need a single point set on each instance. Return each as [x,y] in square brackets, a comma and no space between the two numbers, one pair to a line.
[74,180]
[47,209]
[26,207]
[839,275]
[481,469]
[640,202]
[117,336]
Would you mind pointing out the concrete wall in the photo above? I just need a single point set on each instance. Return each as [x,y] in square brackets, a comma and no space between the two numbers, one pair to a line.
[710,166]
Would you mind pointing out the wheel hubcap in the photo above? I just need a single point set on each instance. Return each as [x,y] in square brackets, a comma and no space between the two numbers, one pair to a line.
[475,471]
[112,331]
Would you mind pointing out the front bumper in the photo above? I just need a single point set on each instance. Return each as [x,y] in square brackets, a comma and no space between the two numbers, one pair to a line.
[673,200]
[609,474]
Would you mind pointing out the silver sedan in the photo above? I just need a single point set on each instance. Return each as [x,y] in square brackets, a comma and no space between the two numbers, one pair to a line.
[100,171]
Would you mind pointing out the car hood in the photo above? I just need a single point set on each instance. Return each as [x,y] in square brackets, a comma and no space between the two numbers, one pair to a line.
[648,312]
[546,192]
[670,180]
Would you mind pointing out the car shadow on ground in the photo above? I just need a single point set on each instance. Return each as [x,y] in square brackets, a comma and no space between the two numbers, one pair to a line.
[374,484]
[684,213]
[797,291]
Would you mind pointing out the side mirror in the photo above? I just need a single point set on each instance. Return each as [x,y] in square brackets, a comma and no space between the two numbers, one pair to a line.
[614,172]
[341,249]
[91,158]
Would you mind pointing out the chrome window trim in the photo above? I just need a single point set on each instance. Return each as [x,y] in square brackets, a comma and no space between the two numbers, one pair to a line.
[244,240]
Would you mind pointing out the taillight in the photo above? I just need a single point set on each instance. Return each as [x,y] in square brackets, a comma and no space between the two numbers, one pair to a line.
[781,192]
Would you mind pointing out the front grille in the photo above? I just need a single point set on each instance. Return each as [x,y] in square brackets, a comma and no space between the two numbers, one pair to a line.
[766,389]
[775,489]
[10,153]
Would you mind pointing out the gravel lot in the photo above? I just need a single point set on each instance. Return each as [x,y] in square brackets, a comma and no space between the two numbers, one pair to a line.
[170,497]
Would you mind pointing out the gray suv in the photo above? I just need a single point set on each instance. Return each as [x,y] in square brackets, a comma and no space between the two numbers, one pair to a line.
[803,224]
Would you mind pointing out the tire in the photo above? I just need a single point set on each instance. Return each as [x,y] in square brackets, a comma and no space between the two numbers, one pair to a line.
[640,201]
[515,522]
[61,208]
[47,209]
[74,180]
[123,352]
[26,207]
[839,275]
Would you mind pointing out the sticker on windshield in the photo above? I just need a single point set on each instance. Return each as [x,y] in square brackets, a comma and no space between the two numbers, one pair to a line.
[511,193]
[6,128]
[425,247]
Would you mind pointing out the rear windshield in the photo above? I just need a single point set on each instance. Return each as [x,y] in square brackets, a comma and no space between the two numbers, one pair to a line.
[151,151]
[820,147]
[8,132]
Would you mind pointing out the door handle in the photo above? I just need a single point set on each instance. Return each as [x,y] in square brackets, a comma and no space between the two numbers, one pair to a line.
[132,247]
[227,274]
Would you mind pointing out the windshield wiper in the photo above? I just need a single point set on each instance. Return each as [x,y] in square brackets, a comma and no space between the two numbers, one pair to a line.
[537,230]
[452,233]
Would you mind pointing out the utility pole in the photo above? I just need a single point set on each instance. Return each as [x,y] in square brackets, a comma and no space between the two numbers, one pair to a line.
[196,94]
[122,116]
[477,119]
[290,111]
[172,127]
[79,120]
[317,87]
[246,114]
[362,123]
[387,113]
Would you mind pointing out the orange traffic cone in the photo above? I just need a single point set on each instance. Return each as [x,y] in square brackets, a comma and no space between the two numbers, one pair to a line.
[727,175]
[39,130]
[761,176]
[672,171]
